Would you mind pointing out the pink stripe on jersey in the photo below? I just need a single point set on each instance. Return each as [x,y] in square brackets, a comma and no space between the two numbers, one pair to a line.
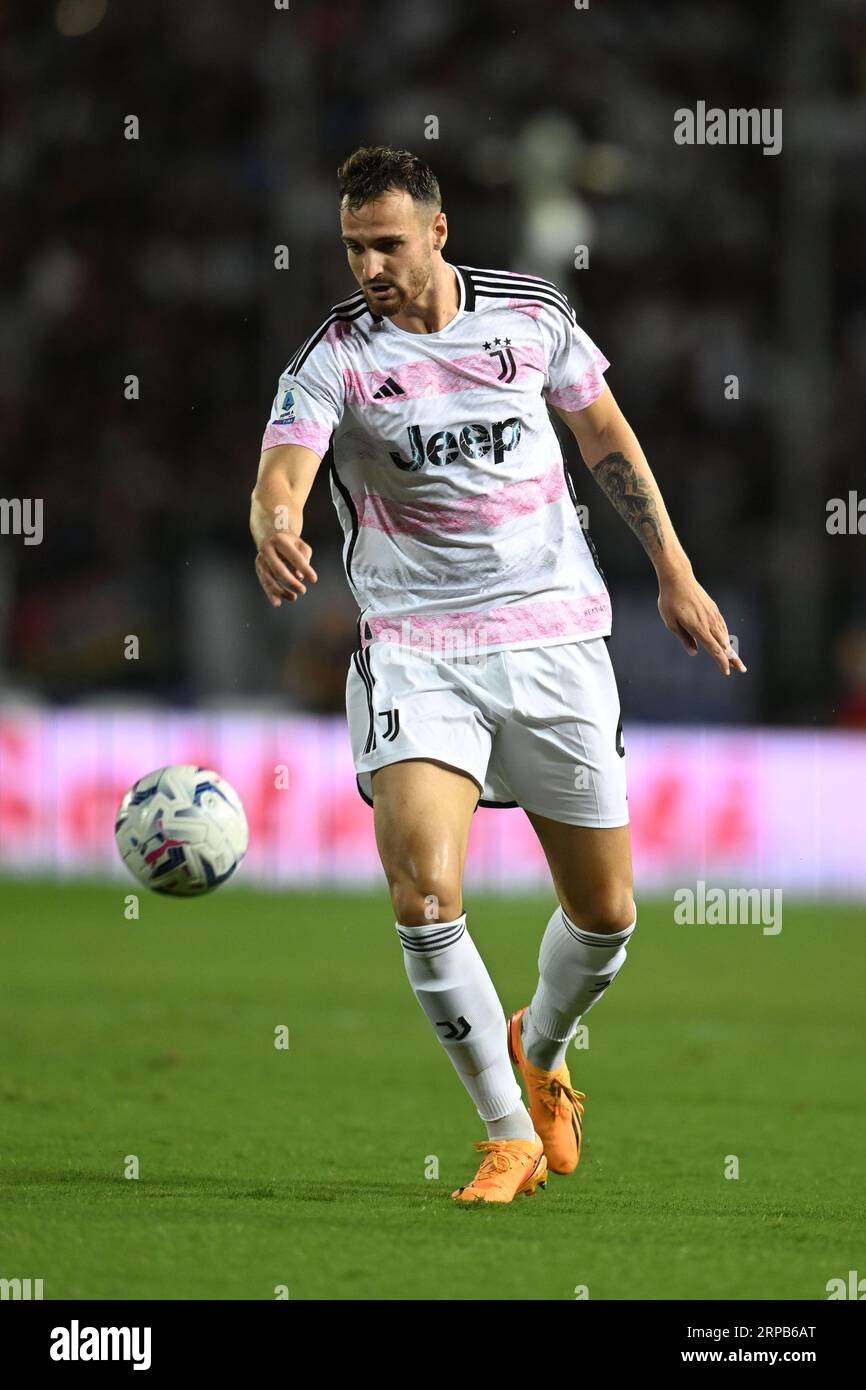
[306,432]
[484,512]
[442,377]
[338,331]
[523,306]
[577,617]
[584,391]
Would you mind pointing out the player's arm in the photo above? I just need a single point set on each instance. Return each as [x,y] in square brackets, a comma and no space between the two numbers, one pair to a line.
[286,474]
[610,450]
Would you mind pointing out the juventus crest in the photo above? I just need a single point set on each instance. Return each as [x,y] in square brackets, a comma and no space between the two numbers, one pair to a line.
[502,352]
[392,718]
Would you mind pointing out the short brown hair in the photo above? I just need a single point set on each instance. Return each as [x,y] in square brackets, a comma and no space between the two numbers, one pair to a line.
[372,170]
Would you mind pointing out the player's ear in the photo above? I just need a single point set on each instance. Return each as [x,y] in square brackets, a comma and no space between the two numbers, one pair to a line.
[440,230]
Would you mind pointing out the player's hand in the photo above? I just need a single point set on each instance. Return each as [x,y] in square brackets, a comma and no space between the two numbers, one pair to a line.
[282,565]
[691,615]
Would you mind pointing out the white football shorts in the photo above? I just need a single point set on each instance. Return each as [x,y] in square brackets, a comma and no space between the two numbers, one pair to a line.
[537,727]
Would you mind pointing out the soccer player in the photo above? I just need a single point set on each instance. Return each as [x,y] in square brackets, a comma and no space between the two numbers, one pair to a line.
[481,675]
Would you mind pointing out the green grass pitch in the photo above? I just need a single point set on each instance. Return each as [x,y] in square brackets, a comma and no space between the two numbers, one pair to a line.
[305,1167]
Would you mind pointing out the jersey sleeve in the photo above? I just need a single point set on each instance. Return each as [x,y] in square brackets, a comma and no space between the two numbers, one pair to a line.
[308,405]
[575,367]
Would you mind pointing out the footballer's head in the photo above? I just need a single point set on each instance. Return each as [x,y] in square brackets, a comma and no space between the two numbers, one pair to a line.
[392,224]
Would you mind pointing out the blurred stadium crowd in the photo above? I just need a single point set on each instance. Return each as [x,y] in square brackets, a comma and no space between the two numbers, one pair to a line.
[154,257]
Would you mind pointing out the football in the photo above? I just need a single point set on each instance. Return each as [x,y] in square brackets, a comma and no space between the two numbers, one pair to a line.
[181,830]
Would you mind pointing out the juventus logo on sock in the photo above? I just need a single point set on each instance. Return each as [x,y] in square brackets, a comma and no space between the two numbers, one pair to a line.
[598,989]
[458,1029]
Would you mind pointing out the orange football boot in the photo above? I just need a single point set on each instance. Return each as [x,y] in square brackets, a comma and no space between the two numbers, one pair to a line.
[509,1166]
[554,1105]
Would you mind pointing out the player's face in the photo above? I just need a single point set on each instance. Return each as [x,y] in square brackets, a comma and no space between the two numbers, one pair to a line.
[390,244]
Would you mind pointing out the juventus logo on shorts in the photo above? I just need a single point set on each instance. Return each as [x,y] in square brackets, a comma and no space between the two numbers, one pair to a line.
[393,727]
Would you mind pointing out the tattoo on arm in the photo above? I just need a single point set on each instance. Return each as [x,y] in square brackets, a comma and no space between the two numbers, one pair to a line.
[630,494]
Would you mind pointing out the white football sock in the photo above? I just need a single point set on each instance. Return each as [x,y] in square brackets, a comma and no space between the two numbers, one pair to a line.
[575,968]
[517,1125]
[453,987]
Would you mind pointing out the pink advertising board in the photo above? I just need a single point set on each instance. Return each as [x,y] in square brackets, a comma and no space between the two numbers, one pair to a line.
[755,807]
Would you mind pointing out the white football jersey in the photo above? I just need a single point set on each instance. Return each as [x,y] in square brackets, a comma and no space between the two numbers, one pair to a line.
[459,516]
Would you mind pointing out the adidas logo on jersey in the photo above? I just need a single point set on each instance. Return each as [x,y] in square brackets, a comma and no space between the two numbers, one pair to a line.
[389,387]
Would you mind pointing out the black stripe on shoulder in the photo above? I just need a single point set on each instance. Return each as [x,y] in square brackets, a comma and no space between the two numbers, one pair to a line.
[468,288]
[495,283]
[511,277]
[529,298]
[487,280]
[348,303]
[306,348]
[353,309]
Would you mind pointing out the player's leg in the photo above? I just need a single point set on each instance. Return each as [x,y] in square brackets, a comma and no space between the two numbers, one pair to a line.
[584,944]
[582,951]
[423,813]
[562,756]
[591,870]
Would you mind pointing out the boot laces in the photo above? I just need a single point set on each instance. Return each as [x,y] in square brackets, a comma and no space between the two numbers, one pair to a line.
[496,1160]
[557,1093]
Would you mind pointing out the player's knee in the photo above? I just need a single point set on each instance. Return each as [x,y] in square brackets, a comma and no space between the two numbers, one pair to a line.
[417,901]
[607,911]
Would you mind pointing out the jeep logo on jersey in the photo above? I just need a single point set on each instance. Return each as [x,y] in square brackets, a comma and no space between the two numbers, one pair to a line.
[472,441]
